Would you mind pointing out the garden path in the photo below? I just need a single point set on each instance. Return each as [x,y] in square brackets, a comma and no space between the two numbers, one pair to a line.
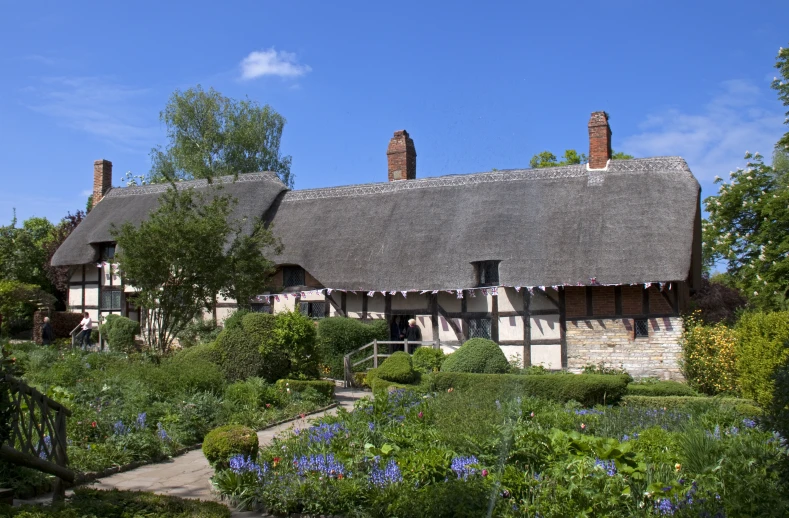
[187,476]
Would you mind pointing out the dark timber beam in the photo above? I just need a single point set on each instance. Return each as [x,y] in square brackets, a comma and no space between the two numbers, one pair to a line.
[526,328]
[563,325]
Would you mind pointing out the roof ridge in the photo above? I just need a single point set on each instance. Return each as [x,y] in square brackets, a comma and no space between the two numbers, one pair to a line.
[138,190]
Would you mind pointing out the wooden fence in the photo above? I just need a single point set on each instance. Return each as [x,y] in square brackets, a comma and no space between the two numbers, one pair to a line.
[375,355]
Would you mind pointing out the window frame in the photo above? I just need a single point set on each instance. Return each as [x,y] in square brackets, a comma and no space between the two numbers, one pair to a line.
[311,308]
[107,252]
[483,269]
[638,322]
[292,269]
[109,291]
[478,324]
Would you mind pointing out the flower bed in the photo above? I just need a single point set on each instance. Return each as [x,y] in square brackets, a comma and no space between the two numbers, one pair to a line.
[456,453]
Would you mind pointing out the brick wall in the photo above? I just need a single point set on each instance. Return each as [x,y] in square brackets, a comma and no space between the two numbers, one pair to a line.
[599,140]
[401,156]
[632,300]
[658,303]
[603,301]
[102,179]
[611,342]
[575,301]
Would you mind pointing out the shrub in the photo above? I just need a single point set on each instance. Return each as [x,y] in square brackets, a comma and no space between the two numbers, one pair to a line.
[234,320]
[337,336]
[260,328]
[397,368]
[121,333]
[761,349]
[427,359]
[587,389]
[198,331]
[477,355]
[323,387]
[222,443]
[241,357]
[709,356]
[777,414]
[745,407]
[252,392]
[294,336]
[660,388]
[200,376]
[204,352]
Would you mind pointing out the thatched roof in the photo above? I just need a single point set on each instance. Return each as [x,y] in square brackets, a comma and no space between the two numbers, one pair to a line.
[254,192]
[632,223]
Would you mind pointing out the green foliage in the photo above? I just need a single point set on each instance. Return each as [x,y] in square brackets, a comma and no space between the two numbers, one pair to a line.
[22,251]
[659,388]
[179,260]
[570,157]
[709,356]
[477,355]
[746,407]
[294,335]
[222,443]
[18,302]
[260,326]
[587,389]
[211,135]
[338,336]
[782,87]
[324,387]
[234,320]
[427,359]
[90,503]
[397,368]
[602,368]
[204,352]
[198,331]
[120,333]
[276,360]
[762,348]
[241,357]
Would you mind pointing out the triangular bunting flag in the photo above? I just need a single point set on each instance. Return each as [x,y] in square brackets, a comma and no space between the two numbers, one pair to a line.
[276,297]
[494,291]
[405,294]
[471,293]
[460,294]
[517,289]
[371,294]
[434,292]
[328,291]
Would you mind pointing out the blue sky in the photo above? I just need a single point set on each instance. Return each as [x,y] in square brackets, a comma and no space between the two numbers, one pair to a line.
[477,87]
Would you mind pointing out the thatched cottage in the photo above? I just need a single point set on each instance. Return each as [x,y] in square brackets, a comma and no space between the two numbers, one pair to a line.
[564,266]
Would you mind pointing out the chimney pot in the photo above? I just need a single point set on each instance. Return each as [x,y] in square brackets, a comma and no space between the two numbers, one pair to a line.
[102,179]
[401,156]
[599,140]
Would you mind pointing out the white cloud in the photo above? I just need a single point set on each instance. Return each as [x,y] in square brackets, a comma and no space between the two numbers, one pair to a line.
[97,106]
[270,62]
[714,139]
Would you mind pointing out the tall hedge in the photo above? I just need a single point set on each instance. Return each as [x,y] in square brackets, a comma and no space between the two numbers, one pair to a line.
[337,336]
[240,354]
[477,355]
[762,349]
[260,328]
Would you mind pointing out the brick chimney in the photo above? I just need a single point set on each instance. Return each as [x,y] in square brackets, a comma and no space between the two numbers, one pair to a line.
[599,140]
[102,179]
[402,157]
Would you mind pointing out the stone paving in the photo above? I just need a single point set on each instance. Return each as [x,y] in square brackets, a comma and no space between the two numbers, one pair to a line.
[187,476]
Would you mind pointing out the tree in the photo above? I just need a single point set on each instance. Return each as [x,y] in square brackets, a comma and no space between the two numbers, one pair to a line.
[184,254]
[571,156]
[781,85]
[59,275]
[22,254]
[211,135]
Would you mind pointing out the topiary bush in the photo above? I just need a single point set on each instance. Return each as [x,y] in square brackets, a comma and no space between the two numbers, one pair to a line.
[427,359]
[204,352]
[762,350]
[226,441]
[294,337]
[121,334]
[241,357]
[398,368]
[260,328]
[660,388]
[477,355]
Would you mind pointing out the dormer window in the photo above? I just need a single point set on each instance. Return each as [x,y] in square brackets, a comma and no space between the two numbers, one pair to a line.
[292,276]
[107,251]
[487,273]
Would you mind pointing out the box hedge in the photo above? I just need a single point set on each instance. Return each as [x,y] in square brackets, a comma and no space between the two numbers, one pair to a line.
[477,355]
[324,387]
[762,349]
[660,388]
[587,389]
[120,333]
[398,368]
[241,358]
[226,441]
[427,359]
[337,336]
[746,407]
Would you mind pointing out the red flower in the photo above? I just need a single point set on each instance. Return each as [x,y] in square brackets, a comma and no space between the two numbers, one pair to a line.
[93,424]
[419,415]
[268,405]
[484,473]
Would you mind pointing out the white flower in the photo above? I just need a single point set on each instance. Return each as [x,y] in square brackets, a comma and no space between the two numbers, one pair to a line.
[755,293]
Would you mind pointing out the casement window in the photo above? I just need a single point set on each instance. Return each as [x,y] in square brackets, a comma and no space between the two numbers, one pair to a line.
[641,328]
[258,307]
[313,309]
[479,328]
[487,273]
[110,300]
[107,251]
[292,276]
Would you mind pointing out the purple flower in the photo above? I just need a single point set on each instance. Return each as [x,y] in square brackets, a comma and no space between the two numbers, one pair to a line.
[161,433]
[386,476]
[120,429]
[609,466]
[465,466]
[325,465]
[140,422]
[371,426]
[749,423]
[241,464]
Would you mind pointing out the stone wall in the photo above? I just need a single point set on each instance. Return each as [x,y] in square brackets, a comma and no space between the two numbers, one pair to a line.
[611,342]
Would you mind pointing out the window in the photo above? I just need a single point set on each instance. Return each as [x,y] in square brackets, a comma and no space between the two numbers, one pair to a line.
[313,309]
[258,307]
[479,328]
[292,276]
[107,251]
[488,273]
[110,300]
[641,328]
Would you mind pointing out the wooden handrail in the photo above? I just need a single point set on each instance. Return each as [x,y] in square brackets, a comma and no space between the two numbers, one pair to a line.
[348,364]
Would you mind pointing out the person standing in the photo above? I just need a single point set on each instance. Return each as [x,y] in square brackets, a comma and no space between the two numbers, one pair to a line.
[47,335]
[87,327]
[413,333]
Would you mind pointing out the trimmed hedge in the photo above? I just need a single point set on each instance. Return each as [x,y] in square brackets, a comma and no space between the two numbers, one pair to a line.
[241,358]
[204,352]
[121,333]
[587,389]
[743,406]
[427,359]
[260,327]
[234,320]
[660,388]
[338,336]
[477,355]
[226,441]
[398,368]
[324,387]
[762,349]
[62,323]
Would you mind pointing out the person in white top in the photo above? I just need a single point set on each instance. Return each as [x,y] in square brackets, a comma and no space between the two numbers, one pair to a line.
[87,326]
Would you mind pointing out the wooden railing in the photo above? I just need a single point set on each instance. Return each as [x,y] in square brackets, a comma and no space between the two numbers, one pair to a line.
[37,436]
[376,355]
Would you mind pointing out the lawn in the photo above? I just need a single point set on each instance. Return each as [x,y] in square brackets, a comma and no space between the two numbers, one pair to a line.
[455,453]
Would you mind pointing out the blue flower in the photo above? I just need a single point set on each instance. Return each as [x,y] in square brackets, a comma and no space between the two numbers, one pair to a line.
[609,466]
[386,476]
[465,466]
[161,433]
[371,426]
[140,423]
[325,465]
[241,464]
[120,429]
[749,423]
